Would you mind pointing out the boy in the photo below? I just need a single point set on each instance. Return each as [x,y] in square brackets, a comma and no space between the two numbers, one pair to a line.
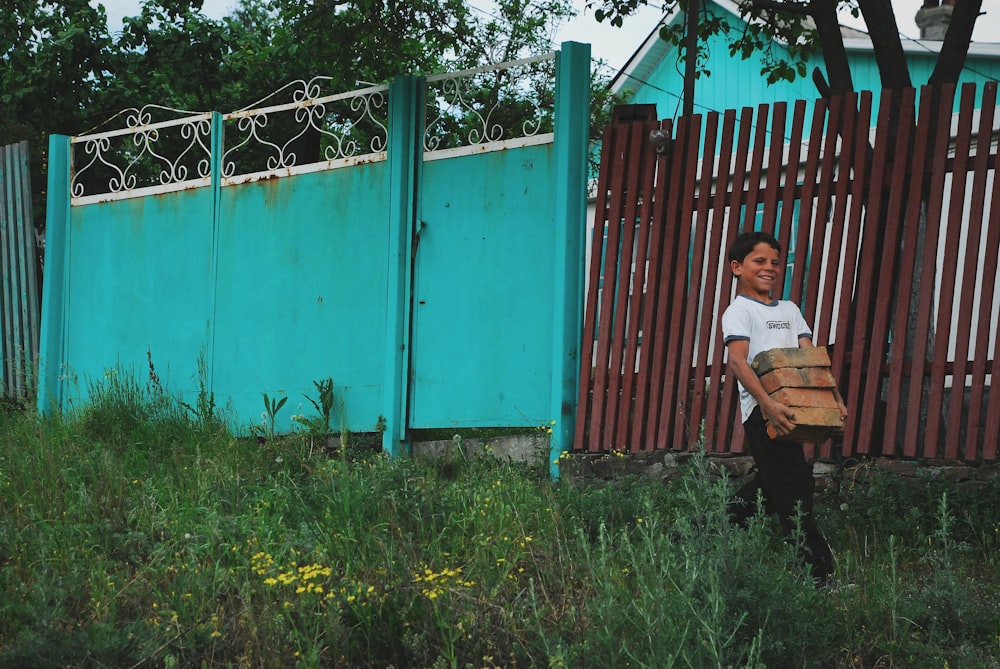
[756,322]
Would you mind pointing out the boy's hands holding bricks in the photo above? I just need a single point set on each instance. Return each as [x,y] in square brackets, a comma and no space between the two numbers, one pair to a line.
[781,418]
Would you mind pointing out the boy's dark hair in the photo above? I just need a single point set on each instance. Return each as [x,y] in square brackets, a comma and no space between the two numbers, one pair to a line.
[744,244]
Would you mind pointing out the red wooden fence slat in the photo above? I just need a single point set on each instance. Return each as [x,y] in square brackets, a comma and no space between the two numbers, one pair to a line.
[672,373]
[949,269]
[643,199]
[686,144]
[925,300]
[897,149]
[825,184]
[664,175]
[851,338]
[752,186]
[774,167]
[732,432]
[834,227]
[698,324]
[990,251]
[809,186]
[619,168]
[850,228]
[789,187]
[717,428]
[749,189]
[590,312]
[904,282]
[639,150]
[699,420]
[986,362]
[825,255]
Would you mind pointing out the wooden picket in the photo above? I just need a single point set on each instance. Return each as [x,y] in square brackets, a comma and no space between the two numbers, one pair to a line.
[892,229]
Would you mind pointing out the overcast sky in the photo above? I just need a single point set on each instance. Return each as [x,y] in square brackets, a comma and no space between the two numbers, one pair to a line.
[611,44]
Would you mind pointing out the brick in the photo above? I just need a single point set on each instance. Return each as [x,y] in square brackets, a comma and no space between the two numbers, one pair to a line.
[790,377]
[818,417]
[813,424]
[776,358]
[805,434]
[806,397]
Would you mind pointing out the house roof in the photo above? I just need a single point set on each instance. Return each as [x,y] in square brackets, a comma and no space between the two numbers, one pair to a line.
[644,61]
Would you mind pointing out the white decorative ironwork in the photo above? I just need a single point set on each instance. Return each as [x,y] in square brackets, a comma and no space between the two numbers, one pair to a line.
[131,158]
[310,129]
[500,103]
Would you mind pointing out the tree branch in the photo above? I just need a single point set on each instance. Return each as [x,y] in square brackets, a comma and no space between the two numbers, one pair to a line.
[955,47]
[831,40]
[777,6]
[882,28]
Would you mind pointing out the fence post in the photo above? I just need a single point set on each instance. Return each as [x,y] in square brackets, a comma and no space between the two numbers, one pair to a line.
[217,151]
[52,379]
[404,156]
[572,124]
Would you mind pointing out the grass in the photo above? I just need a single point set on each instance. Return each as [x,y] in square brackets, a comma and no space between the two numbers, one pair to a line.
[141,533]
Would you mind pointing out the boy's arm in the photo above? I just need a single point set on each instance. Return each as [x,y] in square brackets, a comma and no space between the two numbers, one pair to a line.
[781,417]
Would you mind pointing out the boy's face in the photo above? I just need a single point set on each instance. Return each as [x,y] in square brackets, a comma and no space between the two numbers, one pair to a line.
[759,272]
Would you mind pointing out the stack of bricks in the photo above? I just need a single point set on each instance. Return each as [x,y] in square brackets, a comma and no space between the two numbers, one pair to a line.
[800,378]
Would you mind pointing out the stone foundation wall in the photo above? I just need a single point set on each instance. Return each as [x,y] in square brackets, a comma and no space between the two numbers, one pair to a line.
[664,465]
[830,477]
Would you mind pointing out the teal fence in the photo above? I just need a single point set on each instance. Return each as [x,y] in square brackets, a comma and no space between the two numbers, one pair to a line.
[397,239]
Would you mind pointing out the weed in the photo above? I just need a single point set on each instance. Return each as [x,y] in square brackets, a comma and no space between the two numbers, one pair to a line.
[128,538]
[323,403]
[272,406]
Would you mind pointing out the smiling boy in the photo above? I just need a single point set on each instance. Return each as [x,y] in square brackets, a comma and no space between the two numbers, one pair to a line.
[752,323]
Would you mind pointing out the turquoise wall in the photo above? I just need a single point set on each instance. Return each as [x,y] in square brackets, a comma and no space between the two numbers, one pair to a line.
[435,293]
[138,283]
[302,270]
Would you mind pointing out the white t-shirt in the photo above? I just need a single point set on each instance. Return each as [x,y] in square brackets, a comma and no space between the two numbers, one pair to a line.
[778,324]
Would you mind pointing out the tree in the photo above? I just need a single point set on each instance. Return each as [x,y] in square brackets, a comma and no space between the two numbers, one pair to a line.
[62,71]
[807,26]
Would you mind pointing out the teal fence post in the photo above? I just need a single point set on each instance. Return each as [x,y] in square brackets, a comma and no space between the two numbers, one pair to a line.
[52,378]
[217,151]
[572,125]
[404,152]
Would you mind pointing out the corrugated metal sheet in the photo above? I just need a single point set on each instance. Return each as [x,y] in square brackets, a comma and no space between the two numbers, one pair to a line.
[19,297]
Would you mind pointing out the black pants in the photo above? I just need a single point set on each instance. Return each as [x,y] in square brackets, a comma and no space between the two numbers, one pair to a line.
[786,482]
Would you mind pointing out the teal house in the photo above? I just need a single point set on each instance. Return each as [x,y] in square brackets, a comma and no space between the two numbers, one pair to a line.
[654,73]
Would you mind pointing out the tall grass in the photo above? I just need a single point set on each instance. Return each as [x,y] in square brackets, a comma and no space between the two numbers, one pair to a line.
[137,533]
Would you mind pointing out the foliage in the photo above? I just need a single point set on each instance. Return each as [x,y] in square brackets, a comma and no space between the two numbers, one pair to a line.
[806,28]
[64,72]
[132,537]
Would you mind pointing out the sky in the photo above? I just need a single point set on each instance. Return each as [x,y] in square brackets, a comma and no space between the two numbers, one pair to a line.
[614,45]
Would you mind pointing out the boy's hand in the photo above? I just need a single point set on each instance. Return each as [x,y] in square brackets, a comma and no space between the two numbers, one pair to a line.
[780,417]
[840,404]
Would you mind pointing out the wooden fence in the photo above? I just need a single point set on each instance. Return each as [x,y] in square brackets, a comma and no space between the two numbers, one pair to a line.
[892,230]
